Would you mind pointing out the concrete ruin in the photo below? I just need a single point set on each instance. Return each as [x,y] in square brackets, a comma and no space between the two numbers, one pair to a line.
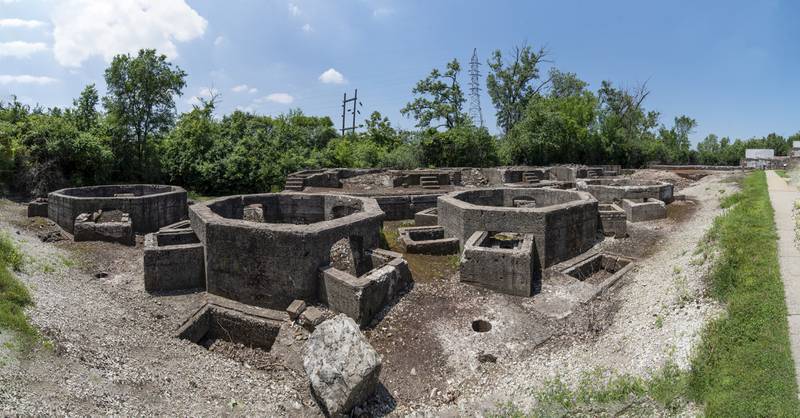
[427,217]
[613,219]
[173,259]
[429,240]
[563,223]
[274,262]
[503,262]
[639,210]
[614,190]
[150,206]
[110,226]
[363,295]
[37,207]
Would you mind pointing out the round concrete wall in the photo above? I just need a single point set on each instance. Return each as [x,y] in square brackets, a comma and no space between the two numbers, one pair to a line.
[150,206]
[274,257]
[614,190]
[564,223]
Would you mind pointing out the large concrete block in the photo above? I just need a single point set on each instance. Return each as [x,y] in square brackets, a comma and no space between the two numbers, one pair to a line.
[505,263]
[614,190]
[95,227]
[644,209]
[173,260]
[426,240]
[37,207]
[614,220]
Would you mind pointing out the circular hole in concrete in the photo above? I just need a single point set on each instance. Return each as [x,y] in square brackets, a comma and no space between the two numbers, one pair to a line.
[487,358]
[479,325]
[100,275]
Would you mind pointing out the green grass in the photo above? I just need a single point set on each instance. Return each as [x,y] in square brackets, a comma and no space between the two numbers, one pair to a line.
[14,297]
[743,366]
[600,393]
[782,173]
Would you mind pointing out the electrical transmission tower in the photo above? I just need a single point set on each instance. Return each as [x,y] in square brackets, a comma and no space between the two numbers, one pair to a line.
[475,90]
[354,111]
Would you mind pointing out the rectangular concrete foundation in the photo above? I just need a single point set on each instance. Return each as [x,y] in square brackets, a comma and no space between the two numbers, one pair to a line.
[363,297]
[427,217]
[91,227]
[503,265]
[613,219]
[644,210]
[173,260]
[426,240]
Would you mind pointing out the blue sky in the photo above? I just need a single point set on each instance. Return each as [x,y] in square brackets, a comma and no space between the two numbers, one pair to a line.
[730,65]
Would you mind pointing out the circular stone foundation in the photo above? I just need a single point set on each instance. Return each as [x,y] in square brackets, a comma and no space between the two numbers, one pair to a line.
[564,223]
[614,190]
[150,206]
[266,249]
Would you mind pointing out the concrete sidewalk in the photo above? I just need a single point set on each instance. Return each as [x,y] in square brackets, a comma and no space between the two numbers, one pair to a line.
[782,195]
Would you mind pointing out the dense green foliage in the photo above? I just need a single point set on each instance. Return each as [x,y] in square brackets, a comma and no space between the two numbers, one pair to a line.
[133,133]
[744,366]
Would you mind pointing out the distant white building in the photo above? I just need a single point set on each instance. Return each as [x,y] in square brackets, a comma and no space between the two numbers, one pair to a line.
[763,158]
[795,148]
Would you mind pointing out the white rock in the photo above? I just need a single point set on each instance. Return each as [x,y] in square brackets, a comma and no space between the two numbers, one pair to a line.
[342,366]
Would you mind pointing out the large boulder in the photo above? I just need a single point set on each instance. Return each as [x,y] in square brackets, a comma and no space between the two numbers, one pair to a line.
[342,366]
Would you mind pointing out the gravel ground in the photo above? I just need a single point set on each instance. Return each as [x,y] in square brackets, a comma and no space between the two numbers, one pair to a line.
[114,351]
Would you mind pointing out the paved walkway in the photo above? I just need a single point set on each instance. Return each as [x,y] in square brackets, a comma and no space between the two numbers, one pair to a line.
[783,196]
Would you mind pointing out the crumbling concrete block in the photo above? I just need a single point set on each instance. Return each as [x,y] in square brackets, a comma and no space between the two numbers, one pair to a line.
[644,209]
[295,309]
[342,366]
[110,226]
[503,262]
[37,207]
[613,219]
[614,190]
[253,213]
[427,217]
[173,260]
[362,297]
[426,240]
[311,317]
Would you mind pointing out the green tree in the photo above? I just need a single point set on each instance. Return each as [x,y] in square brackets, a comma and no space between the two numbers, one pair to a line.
[462,146]
[509,84]
[140,105]
[439,99]
[85,112]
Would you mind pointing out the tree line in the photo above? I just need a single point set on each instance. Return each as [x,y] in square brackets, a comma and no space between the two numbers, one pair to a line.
[133,132]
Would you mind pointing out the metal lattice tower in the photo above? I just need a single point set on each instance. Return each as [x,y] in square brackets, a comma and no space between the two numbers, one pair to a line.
[475,90]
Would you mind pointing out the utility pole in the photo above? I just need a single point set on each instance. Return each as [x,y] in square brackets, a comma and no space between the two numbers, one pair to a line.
[354,111]
[475,90]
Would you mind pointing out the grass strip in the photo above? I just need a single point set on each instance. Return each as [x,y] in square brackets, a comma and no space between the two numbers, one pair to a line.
[743,365]
[14,297]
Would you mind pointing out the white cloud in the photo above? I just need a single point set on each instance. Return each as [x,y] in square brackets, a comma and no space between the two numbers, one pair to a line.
[21,49]
[247,109]
[241,88]
[382,12]
[20,23]
[331,76]
[26,79]
[204,93]
[219,40]
[282,98]
[307,28]
[294,10]
[83,28]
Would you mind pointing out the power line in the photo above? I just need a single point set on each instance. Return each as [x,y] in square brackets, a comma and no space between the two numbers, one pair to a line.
[475,90]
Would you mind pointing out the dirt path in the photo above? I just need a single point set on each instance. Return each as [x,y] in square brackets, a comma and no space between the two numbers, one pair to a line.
[783,197]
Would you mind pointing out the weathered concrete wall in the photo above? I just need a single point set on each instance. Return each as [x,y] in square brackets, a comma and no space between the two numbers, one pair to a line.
[272,264]
[406,206]
[173,260]
[86,229]
[363,297]
[614,190]
[647,210]
[563,223]
[613,219]
[515,271]
[150,207]
[427,217]
[37,207]
[426,240]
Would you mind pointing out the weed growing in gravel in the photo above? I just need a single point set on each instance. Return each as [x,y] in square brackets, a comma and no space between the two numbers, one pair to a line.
[14,297]
[659,322]
[603,393]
